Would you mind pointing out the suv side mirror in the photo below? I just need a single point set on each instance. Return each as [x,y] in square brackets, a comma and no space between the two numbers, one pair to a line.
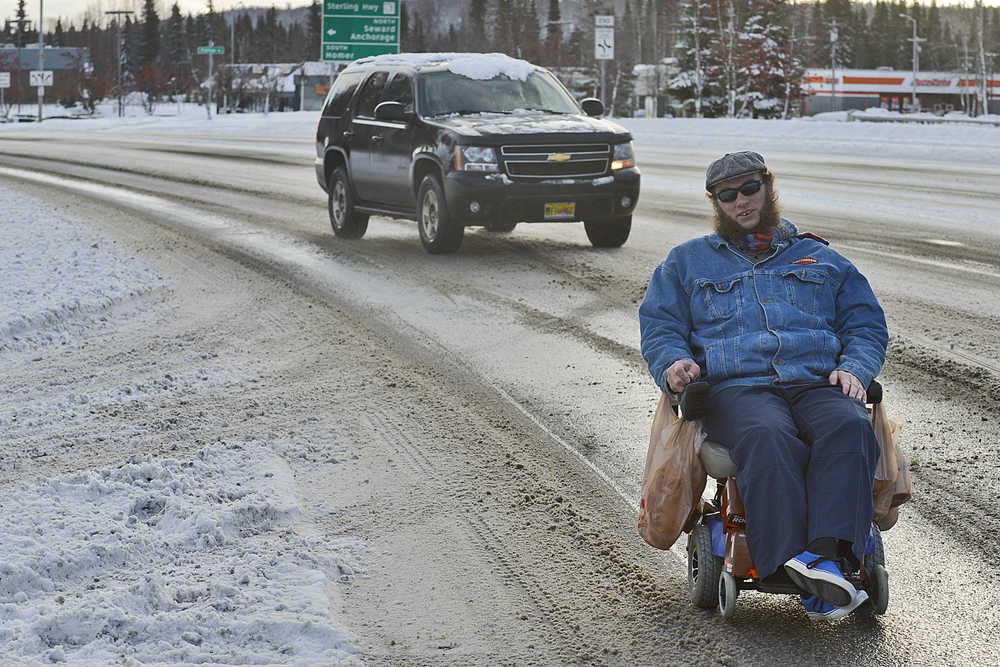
[592,106]
[391,111]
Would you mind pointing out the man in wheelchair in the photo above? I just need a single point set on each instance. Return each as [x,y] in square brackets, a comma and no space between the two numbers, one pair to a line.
[788,334]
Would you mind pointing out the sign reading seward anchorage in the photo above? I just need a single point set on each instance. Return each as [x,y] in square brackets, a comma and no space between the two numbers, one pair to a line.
[359,29]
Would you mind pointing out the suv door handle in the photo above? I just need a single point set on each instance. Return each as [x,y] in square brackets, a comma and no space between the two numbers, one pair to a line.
[377,139]
[347,135]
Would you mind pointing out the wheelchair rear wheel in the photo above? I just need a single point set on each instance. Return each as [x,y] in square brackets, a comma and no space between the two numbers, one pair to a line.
[704,568]
[878,589]
[876,578]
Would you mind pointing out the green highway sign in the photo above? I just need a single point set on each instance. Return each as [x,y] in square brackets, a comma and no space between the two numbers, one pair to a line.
[359,29]
[214,50]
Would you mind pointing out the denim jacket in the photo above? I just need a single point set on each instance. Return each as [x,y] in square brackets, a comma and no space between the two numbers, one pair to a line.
[791,318]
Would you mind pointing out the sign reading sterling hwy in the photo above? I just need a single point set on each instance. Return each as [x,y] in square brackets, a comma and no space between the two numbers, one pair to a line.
[353,30]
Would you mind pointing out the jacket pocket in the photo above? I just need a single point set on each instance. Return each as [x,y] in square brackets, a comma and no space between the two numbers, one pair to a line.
[721,299]
[807,290]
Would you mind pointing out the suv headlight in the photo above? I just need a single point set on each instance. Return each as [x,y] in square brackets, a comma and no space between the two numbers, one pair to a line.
[476,158]
[623,156]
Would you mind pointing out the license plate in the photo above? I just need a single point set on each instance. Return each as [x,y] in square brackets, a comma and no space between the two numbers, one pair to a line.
[558,210]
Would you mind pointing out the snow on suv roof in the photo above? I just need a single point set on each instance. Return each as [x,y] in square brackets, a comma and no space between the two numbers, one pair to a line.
[471,65]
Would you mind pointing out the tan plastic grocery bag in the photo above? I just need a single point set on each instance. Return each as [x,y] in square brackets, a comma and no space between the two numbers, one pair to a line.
[674,478]
[892,476]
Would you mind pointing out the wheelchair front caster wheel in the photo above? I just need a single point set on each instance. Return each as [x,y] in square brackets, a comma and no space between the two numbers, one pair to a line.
[727,595]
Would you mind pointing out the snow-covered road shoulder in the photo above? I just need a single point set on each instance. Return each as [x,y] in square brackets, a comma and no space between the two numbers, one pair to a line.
[200,560]
[205,557]
[59,277]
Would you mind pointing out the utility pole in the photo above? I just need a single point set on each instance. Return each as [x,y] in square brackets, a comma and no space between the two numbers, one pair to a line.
[916,60]
[984,99]
[118,21]
[41,56]
[833,67]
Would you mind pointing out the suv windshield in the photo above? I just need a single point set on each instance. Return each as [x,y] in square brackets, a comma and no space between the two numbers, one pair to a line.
[447,92]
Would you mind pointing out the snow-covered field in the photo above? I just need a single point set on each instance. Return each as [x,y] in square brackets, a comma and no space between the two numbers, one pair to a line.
[207,559]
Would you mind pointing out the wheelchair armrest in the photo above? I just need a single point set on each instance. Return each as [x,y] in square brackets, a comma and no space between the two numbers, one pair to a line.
[694,400]
[874,393]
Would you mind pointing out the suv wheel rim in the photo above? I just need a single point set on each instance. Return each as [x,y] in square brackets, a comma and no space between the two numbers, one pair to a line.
[429,215]
[339,202]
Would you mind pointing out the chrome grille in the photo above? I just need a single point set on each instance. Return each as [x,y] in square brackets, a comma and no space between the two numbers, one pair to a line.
[533,161]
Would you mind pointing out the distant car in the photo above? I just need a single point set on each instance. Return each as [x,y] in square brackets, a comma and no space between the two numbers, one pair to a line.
[456,140]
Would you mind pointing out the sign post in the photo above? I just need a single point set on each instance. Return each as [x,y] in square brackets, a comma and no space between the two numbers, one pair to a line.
[604,48]
[210,50]
[41,79]
[359,29]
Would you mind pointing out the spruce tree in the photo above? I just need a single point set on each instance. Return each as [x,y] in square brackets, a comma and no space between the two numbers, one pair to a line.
[553,36]
[148,49]
[624,66]
[691,85]
[22,29]
[315,37]
[530,33]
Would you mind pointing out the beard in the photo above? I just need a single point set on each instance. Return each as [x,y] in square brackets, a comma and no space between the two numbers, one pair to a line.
[770,216]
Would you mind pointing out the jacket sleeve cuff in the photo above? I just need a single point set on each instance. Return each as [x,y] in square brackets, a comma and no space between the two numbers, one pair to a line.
[857,371]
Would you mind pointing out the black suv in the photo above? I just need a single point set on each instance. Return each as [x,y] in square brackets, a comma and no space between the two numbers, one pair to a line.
[457,140]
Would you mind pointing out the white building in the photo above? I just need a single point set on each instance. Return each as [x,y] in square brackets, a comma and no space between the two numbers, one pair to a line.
[893,90]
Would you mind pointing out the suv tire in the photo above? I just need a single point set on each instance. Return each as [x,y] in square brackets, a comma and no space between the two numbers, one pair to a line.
[346,223]
[439,233]
[610,233]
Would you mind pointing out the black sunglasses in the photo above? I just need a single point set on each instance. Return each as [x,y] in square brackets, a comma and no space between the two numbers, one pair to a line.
[748,189]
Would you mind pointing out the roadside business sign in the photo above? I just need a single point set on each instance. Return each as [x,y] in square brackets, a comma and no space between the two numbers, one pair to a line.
[40,77]
[359,29]
[211,50]
[4,79]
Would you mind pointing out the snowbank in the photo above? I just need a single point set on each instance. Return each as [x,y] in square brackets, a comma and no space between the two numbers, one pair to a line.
[165,561]
[205,559]
[59,277]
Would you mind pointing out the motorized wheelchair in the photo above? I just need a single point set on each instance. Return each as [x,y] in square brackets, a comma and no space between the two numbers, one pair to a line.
[720,564]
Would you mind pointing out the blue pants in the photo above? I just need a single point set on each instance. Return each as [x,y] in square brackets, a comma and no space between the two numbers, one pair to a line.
[805,458]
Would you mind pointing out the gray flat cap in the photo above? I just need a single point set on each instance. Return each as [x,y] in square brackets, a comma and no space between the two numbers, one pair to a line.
[732,165]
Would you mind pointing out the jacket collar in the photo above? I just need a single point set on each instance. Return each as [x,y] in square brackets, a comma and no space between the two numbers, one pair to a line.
[789,231]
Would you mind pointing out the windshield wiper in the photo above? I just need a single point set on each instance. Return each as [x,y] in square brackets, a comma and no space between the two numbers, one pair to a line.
[467,112]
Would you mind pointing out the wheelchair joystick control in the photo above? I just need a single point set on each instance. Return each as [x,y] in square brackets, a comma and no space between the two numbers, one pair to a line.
[694,400]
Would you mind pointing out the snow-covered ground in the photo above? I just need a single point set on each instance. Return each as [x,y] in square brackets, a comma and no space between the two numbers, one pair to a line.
[193,560]
[825,134]
[207,559]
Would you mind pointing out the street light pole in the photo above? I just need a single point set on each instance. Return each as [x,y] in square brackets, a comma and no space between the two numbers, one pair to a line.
[916,59]
[118,22]
[41,56]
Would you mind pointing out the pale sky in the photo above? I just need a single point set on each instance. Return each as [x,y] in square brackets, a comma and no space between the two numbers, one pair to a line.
[75,10]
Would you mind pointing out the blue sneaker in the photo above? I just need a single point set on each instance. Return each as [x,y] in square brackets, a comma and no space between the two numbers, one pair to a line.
[821,577]
[819,610]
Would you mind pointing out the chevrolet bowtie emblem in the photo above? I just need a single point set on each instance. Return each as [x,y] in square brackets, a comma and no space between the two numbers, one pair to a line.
[558,157]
